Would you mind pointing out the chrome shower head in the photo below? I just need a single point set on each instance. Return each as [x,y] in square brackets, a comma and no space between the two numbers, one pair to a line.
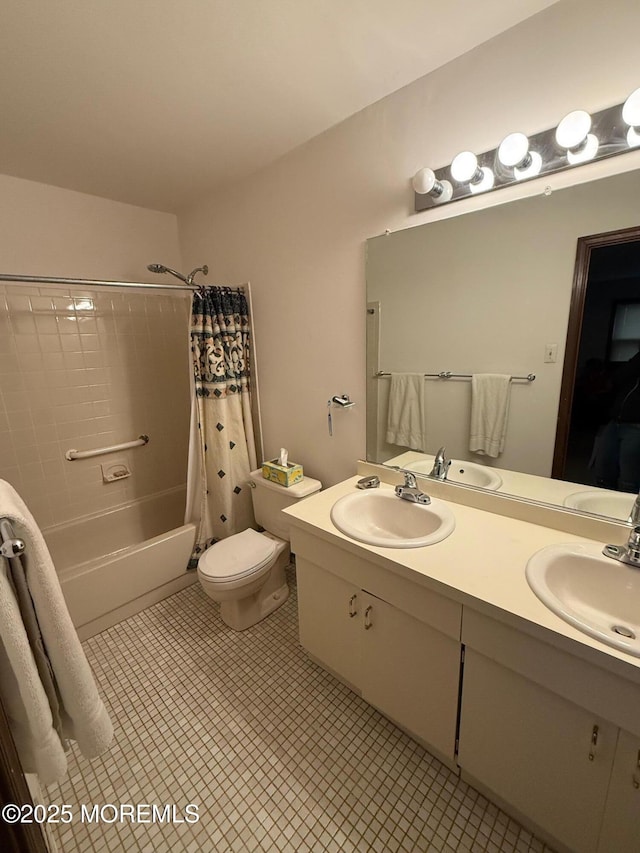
[160,269]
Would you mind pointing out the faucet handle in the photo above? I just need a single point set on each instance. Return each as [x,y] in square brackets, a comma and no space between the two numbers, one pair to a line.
[410,481]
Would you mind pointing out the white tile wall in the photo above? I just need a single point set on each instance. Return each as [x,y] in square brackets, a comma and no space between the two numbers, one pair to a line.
[87,368]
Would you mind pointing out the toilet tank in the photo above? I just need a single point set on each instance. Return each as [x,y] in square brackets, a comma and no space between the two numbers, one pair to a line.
[269,499]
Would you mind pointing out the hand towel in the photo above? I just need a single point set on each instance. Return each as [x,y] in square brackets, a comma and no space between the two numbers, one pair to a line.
[405,414]
[83,714]
[490,395]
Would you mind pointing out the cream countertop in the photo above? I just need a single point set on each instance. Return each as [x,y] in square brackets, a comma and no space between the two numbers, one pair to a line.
[481,565]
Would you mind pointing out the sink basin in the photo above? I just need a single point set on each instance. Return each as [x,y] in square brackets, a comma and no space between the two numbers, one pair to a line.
[602,502]
[466,473]
[381,518]
[596,594]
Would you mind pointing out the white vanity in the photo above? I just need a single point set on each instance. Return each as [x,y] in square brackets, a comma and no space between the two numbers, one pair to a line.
[450,642]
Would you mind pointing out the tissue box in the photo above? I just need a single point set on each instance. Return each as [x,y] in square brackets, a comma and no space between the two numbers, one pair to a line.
[284,475]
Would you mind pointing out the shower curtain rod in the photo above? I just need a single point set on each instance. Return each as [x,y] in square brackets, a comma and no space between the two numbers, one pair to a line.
[90,282]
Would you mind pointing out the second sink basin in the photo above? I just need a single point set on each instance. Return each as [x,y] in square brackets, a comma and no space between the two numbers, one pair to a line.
[466,473]
[381,518]
[602,502]
[596,594]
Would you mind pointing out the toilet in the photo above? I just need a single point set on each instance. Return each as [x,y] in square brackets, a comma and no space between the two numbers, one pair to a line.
[245,572]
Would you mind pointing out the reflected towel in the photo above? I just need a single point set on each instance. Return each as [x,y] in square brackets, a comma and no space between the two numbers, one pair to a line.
[84,717]
[490,395]
[405,414]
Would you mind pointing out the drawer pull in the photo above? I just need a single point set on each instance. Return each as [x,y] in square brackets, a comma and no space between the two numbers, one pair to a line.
[353,610]
[594,742]
[367,621]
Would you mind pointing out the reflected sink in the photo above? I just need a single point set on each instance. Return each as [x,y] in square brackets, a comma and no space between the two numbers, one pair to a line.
[602,502]
[594,593]
[466,473]
[381,518]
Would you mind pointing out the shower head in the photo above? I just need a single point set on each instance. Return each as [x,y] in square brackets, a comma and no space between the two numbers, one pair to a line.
[160,269]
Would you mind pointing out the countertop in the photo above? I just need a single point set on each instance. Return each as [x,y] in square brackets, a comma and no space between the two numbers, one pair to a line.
[481,565]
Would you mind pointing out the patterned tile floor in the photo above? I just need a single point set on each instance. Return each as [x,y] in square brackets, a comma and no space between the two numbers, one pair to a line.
[276,754]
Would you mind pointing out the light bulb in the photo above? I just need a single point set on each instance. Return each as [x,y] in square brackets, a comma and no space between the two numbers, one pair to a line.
[464,168]
[425,183]
[631,116]
[486,182]
[514,153]
[573,134]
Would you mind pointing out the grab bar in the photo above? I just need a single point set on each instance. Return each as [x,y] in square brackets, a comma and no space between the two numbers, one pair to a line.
[86,454]
[10,545]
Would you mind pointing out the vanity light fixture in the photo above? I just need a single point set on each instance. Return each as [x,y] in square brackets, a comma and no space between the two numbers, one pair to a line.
[465,170]
[573,135]
[425,183]
[514,153]
[580,137]
[631,116]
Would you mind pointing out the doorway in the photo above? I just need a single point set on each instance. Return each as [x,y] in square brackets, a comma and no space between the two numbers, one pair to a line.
[603,334]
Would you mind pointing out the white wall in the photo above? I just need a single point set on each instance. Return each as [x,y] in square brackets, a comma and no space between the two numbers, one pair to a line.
[297,229]
[75,364]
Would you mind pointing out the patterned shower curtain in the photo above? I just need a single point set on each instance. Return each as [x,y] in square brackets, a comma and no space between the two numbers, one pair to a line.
[220,351]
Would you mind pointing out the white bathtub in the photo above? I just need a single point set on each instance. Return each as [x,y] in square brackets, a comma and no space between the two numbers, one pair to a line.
[117,563]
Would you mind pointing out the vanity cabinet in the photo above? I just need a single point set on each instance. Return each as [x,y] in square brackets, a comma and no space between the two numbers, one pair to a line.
[389,651]
[547,757]
[544,731]
[621,826]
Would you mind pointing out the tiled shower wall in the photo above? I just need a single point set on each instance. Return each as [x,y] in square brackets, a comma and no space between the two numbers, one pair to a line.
[89,368]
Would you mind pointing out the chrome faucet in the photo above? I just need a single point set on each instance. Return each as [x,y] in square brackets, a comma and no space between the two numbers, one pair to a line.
[629,553]
[634,516]
[411,491]
[440,465]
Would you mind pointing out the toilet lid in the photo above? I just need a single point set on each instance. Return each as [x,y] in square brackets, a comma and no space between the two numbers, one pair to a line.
[235,557]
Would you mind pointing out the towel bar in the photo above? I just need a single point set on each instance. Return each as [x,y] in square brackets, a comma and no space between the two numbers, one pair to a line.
[445,374]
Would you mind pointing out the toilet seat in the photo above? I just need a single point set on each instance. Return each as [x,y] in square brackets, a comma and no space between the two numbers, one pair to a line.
[239,557]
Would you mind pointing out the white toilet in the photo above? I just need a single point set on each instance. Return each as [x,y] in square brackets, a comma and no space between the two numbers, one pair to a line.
[245,573]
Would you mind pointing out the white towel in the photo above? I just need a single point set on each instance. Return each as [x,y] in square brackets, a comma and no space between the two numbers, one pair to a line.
[405,414]
[490,395]
[83,714]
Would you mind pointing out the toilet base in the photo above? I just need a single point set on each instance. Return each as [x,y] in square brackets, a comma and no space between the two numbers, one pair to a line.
[242,613]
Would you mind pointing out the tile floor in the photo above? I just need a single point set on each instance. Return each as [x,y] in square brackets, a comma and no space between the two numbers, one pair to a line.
[276,753]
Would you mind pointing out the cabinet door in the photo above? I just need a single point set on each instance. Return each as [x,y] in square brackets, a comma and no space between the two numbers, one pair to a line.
[329,616]
[411,673]
[621,827]
[534,750]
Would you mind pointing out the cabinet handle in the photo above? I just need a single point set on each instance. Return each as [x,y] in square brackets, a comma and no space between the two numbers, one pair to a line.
[594,742]
[367,621]
[634,777]
[353,611]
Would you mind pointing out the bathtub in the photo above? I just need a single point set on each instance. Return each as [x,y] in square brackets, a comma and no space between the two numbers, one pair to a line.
[114,564]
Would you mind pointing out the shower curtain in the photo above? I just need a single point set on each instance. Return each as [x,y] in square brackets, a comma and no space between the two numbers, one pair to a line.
[222,448]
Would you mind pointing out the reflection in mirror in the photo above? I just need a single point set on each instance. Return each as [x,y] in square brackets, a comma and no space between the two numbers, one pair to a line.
[491,292]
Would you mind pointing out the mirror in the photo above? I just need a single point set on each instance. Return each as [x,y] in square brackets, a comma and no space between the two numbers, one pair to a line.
[488,291]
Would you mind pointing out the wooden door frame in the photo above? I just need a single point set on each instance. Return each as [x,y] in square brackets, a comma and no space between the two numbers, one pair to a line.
[18,837]
[576,312]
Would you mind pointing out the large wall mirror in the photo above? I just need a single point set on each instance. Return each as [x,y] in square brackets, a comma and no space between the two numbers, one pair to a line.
[497,291]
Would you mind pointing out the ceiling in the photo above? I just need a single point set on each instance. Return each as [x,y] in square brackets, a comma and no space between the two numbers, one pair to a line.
[159,102]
